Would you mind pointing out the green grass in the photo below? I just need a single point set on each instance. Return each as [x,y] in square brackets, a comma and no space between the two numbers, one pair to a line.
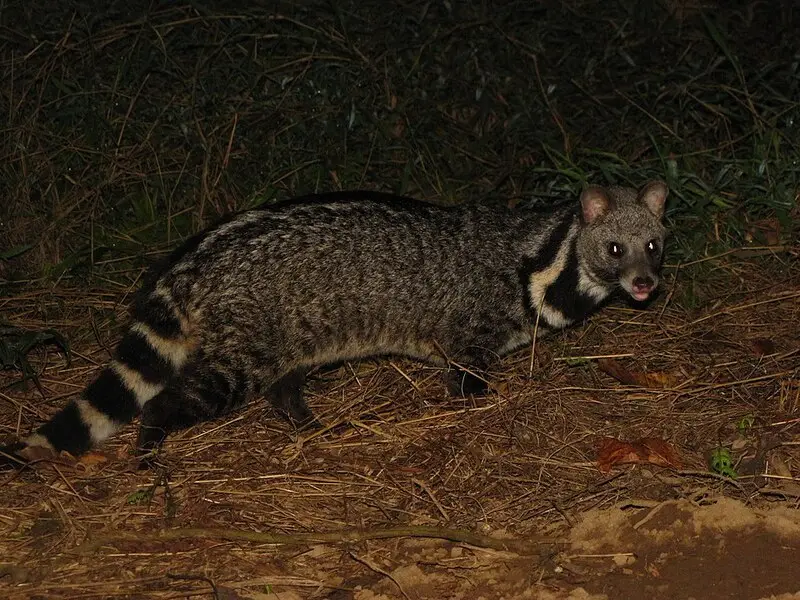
[126,131]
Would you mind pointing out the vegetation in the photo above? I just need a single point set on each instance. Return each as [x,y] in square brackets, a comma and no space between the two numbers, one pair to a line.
[128,129]
[608,449]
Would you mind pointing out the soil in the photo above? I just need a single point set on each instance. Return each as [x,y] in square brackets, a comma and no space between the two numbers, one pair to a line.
[514,487]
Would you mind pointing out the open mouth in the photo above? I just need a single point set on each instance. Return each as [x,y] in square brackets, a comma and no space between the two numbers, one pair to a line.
[641,296]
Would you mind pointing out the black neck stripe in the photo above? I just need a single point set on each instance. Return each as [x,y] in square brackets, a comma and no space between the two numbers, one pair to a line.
[563,293]
[543,259]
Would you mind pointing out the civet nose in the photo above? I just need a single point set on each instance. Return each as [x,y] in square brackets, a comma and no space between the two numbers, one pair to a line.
[643,284]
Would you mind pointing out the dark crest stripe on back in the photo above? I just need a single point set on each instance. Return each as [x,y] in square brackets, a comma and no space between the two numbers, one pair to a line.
[135,351]
[67,431]
[544,257]
[109,394]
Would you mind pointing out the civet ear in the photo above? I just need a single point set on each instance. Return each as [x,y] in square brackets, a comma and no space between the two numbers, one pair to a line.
[595,202]
[654,196]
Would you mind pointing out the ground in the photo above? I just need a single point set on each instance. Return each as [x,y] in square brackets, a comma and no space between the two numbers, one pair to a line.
[649,453]
[510,496]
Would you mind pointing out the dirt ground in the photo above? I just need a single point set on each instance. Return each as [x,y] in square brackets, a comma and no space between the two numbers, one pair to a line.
[406,494]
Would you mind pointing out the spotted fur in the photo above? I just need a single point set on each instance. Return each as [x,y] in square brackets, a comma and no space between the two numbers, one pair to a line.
[249,306]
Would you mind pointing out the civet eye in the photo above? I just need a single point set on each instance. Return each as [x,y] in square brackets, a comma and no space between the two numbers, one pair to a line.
[615,249]
[652,246]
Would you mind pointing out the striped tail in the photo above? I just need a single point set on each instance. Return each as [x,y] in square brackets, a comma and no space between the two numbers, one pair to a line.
[150,354]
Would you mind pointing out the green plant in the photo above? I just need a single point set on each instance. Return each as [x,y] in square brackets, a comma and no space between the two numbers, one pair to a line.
[721,462]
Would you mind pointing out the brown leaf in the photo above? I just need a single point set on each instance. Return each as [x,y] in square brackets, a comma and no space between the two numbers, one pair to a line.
[37,454]
[779,467]
[653,570]
[34,453]
[399,128]
[764,231]
[17,574]
[91,459]
[611,451]
[652,379]
[501,387]
[412,470]
[660,452]
[763,346]
[226,593]
[655,451]
[659,379]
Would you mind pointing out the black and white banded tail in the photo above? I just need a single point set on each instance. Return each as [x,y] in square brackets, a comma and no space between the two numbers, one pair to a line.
[151,353]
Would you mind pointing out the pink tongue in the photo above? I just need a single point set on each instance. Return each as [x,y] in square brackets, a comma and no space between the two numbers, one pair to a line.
[641,295]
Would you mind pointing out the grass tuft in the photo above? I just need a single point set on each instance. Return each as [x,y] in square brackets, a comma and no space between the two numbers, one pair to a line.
[130,129]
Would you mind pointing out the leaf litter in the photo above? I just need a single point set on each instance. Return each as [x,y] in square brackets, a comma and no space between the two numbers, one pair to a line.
[518,468]
[246,107]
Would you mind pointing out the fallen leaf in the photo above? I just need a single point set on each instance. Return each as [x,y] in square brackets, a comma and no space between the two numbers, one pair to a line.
[763,346]
[765,231]
[752,465]
[653,570]
[399,128]
[655,451]
[411,470]
[779,467]
[92,458]
[226,593]
[17,574]
[35,453]
[500,387]
[787,483]
[651,379]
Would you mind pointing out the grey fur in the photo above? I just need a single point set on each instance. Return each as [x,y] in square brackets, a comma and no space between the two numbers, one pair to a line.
[250,306]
